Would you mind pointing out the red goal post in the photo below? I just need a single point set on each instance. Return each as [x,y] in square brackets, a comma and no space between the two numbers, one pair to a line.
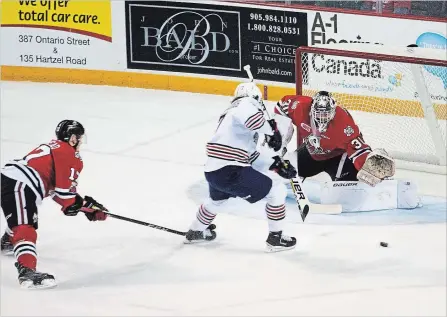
[396,95]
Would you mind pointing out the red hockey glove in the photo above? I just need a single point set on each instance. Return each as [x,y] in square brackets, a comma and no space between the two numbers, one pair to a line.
[93,210]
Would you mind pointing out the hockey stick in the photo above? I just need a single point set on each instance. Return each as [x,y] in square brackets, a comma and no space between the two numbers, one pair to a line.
[304,205]
[139,222]
[147,224]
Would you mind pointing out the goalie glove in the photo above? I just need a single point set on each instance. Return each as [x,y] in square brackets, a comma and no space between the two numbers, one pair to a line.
[378,166]
[274,141]
[283,168]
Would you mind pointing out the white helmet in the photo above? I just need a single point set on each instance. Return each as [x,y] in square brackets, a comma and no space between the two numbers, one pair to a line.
[248,90]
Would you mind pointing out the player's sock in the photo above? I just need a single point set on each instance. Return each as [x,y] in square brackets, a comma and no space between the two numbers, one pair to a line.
[204,217]
[24,242]
[275,216]
[202,229]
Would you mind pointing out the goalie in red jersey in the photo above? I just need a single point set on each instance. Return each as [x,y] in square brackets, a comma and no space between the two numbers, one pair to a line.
[330,141]
[49,170]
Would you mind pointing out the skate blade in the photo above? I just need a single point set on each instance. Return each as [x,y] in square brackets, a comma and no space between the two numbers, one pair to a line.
[272,249]
[196,241]
[46,284]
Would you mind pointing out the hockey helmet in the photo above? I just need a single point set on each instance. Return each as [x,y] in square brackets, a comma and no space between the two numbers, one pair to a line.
[323,109]
[66,128]
[248,90]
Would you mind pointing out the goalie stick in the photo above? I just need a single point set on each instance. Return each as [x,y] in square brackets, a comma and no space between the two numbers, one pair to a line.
[304,205]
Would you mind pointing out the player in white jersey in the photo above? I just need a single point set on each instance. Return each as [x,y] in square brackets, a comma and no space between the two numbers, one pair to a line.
[229,173]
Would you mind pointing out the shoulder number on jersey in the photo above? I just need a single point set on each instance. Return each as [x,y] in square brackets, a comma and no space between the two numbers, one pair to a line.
[358,142]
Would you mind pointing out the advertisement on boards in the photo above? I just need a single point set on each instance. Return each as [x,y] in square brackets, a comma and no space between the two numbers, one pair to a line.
[368,76]
[213,39]
[61,34]
[333,28]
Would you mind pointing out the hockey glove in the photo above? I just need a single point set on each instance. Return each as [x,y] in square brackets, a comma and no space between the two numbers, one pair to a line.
[93,210]
[283,168]
[73,210]
[378,166]
[274,141]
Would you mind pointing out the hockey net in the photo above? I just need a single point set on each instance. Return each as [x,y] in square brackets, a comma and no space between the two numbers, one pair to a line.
[397,96]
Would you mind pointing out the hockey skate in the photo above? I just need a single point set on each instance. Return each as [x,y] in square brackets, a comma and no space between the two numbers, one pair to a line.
[31,279]
[276,242]
[201,236]
[6,246]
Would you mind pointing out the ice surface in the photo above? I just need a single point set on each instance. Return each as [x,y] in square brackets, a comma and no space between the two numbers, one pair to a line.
[143,159]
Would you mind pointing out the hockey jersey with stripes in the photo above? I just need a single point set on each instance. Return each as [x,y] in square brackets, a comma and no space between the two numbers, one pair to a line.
[49,170]
[235,139]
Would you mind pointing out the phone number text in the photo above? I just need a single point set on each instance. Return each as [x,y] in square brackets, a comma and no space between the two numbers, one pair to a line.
[273,28]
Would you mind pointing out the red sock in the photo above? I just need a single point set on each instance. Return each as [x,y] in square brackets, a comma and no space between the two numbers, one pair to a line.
[24,242]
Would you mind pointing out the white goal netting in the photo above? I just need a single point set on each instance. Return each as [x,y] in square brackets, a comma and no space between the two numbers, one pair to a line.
[397,96]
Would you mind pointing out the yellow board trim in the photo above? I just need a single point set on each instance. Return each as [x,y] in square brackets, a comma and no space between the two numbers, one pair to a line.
[198,85]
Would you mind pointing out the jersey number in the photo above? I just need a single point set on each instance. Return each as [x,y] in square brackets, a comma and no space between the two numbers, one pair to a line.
[42,150]
[74,174]
[358,142]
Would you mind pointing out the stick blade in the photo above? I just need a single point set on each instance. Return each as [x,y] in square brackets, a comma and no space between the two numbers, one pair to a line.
[304,212]
[326,209]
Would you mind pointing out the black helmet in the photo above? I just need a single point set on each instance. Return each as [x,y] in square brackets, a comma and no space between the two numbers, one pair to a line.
[66,128]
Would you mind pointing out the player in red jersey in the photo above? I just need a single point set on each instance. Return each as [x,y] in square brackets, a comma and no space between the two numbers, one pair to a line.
[49,170]
[330,141]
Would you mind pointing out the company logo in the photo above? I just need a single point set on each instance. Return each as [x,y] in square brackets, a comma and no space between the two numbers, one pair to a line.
[348,184]
[395,80]
[184,36]
[326,30]
[332,65]
[313,145]
[434,41]
[175,39]
[348,130]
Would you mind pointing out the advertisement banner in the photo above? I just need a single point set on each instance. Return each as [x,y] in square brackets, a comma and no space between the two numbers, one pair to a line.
[368,77]
[333,28]
[64,34]
[214,39]
[371,77]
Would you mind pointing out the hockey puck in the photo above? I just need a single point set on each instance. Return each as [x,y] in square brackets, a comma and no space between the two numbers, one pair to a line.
[384,244]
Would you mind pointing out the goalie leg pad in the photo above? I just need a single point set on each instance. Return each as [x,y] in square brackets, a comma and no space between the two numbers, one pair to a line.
[358,196]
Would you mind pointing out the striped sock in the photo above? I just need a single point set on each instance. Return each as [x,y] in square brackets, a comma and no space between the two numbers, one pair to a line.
[24,241]
[274,215]
[204,219]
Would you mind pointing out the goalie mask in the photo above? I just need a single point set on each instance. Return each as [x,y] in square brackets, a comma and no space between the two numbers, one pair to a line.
[248,90]
[322,110]
[66,128]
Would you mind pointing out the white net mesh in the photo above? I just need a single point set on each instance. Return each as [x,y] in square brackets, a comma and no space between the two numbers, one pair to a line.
[384,99]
